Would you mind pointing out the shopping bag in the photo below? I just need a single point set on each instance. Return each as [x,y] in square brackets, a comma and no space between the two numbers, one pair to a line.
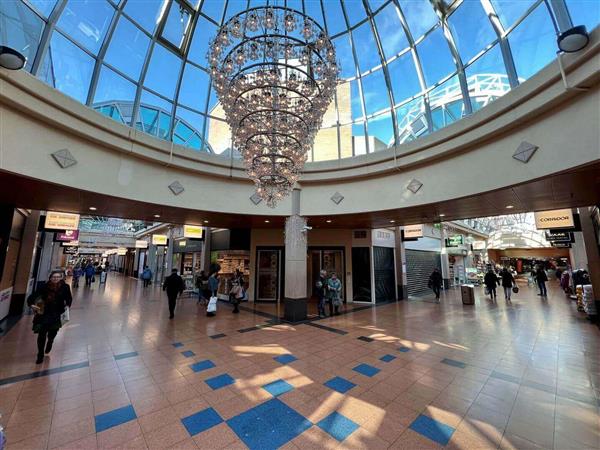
[66,316]
[487,291]
[515,289]
[212,305]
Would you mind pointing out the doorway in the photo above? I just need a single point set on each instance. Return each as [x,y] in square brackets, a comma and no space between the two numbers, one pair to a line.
[269,280]
[329,259]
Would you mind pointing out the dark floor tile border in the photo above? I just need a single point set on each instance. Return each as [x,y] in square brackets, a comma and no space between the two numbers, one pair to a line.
[538,386]
[218,336]
[126,355]
[44,373]
[505,377]
[365,339]
[454,363]
[326,328]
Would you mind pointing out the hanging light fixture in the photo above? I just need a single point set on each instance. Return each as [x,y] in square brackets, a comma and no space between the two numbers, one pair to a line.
[275,71]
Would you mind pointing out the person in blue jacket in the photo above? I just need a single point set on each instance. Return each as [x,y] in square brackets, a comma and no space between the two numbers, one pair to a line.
[90,271]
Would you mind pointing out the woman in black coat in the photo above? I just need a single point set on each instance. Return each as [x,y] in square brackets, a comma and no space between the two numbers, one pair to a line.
[49,303]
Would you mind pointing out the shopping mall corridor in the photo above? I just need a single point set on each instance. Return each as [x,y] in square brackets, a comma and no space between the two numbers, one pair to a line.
[412,375]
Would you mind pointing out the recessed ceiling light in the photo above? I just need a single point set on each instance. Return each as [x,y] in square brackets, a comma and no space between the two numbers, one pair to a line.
[328,221]
[157,215]
[267,221]
[206,221]
[442,215]
[93,208]
[509,206]
[392,221]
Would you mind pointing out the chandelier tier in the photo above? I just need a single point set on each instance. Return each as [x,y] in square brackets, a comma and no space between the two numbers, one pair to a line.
[274,70]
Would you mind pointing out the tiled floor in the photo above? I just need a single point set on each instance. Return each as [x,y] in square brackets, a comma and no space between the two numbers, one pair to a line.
[411,375]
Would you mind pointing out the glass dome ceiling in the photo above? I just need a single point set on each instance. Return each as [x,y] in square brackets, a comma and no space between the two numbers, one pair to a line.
[408,67]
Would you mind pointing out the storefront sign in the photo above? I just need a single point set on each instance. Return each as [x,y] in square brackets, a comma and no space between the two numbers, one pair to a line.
[66,236]
[70,250]
[561,244]
[560,236]
[5,297]
[141,244]
[193,231]
[559,218]
[478,245]
[455,241]
[159,239]
[61,221]
[181,243]
[413,231]
[121,251]
[70,244]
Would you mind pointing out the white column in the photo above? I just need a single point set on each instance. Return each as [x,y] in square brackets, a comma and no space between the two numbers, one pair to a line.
[296,246]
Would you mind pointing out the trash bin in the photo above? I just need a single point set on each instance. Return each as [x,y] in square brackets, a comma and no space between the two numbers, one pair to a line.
[467,293]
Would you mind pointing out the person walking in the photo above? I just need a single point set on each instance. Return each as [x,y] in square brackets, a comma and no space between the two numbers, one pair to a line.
[202,285]
[49,303]
[435,283]
[213,287]
[90,271]
[334,289]
[491,281]
[77,272]
[508,281]
[174,286]
[236,292]
[541,278]
[147,276]
[321,291]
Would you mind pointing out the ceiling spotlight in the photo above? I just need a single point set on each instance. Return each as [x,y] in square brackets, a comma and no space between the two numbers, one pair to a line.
[93,208]
[392,221]
[442,215]
[328,221]
[206,221]
[267,221]
[11,59]
[157,215]
[509,206]
[573,40]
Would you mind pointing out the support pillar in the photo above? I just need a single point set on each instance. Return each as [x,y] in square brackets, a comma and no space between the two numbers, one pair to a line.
[401,280]
[296,246]
[25,263]
[445,264]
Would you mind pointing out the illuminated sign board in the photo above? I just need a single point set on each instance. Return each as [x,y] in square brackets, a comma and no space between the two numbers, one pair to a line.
[61,221]
[66,236]
[141,244]
[559,218]
[193,231]
[159,239]
[70,244]
[121,251]
[478,245]
[413,231]
[455,241]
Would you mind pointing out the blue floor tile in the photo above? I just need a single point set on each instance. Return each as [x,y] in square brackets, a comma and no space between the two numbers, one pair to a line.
[454,363]
[387,358]
[188,353]
[285,359]
[202,365]
[177,344]
[403,349]
[340,384]
[432,429]
[220,381]
[278,387]
[367,370]
[126,355]
[201,421]
[115,417]
[269,425]
[338,426]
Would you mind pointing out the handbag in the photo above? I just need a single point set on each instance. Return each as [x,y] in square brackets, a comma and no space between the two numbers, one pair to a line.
[487,291]
[66,316]
[212,305]
[515,289]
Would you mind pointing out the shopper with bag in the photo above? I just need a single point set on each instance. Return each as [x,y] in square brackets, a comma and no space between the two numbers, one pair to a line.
[202,285]
[49,303]
[147,276]
[213,286]
[491,281]
[508,281]
[334,290]
[174,286]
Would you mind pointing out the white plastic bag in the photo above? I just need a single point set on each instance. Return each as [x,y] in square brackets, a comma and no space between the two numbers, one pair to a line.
[66,316]
[212,305]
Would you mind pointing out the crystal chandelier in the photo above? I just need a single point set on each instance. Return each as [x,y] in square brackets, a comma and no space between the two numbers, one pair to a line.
[274,70]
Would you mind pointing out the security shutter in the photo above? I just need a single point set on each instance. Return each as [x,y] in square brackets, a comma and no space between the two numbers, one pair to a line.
[419,265]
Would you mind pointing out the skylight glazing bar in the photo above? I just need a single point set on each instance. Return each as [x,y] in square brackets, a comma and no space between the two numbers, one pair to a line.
[46,36]
[561,12]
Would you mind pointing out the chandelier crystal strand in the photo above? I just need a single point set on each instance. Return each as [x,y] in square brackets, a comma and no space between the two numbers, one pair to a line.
[275,71]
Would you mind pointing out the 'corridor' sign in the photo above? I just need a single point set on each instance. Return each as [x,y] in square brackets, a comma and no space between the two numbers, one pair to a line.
[558,218]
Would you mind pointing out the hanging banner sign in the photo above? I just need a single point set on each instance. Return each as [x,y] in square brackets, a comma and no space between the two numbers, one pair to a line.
[141,244]
[560,236]
[413,231]
[66,236]
[70,250]
[193,231]
[61,221]
[160,239]
[559,218]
